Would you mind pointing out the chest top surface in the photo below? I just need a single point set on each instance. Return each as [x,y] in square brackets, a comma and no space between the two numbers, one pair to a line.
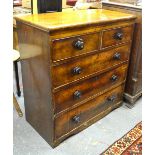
[61,20]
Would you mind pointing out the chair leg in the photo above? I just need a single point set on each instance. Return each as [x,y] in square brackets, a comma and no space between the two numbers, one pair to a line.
[17,107]
[17,78]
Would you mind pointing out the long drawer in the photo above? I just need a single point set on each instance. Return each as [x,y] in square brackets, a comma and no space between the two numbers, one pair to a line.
[73,94]
[79,68]
[74,118]
[116,36]
[65,48]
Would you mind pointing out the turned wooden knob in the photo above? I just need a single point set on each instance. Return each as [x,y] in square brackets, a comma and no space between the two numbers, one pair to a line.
[117,56]
[77,94]
[112,98]
[78,44]
[114,78]
[118,36]
[76,70]
[76,119]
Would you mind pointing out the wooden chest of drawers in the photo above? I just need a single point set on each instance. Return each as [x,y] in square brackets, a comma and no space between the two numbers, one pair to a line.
[133,88]
[73,68]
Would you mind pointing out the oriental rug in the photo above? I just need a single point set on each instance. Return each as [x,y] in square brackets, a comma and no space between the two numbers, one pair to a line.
[129,144]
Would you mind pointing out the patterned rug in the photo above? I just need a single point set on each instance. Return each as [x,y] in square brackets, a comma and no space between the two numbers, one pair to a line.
[129,144]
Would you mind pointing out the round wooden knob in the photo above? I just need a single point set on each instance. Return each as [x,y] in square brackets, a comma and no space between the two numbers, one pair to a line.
[118,36]
[112,98]
[114,78]
[76,119]
[117,56]
[77,94]
[77,70]
[79,44]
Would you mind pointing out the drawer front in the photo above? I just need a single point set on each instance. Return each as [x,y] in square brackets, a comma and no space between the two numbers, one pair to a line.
[116,36]
[79,68]
[77,116]
[74,46]
[76,93]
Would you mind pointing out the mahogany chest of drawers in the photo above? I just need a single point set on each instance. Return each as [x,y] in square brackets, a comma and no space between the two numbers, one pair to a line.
[74,68]
[133,88]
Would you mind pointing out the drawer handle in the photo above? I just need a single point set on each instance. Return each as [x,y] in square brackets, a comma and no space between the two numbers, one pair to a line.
[112,98]
[76,119]
[77,94]
[118,36]
[114,78]
[76,70]
[78,44]
[117,56]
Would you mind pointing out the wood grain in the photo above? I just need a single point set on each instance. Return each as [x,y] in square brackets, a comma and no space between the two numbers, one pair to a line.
[50,65]
[61,20]
[64,48]
[89,65]
[65,122]
[35,62]
[133,89]
[65,98]
[108,37]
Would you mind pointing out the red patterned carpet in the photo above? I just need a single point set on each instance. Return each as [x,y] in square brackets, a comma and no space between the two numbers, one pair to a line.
[129,144]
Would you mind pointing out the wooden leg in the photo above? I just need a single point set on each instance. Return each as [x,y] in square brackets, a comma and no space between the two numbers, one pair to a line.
[17,78]
[17,107]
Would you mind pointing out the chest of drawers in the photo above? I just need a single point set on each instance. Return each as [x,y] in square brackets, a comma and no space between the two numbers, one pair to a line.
[73,68]
[133,88]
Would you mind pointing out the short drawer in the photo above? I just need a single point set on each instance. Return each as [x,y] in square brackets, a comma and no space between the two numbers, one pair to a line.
[73,94]
[116,36]
[74,118]
[74,46]
[79,68]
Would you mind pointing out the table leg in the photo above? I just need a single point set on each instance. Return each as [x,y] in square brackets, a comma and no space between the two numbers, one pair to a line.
[17,78]
[17,107]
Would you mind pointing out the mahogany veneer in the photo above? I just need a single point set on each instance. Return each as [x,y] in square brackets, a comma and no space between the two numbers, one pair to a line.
[133,88]
[74,67]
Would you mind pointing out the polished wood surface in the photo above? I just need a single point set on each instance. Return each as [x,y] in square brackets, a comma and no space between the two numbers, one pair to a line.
[68,97]
[66,122]
[89,65]
[133,89]
[66,47]
[61,87]
[61,20]
[35,62]
[110,37]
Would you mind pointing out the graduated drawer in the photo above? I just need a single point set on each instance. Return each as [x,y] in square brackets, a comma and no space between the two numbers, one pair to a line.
[73,94]
[79,68]
[116,36]
[73,46]
[74,118]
